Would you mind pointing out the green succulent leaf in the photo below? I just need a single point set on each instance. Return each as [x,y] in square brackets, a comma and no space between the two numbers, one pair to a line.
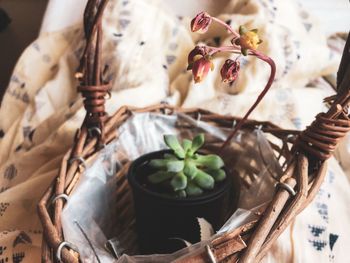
[175,165]
[170,156]
[158,163]
[193,190]
[197,142]
[174,144]
[159,177]
[179,182]
[218,174]
[181,193]
[211,161]
[204,180]
[188,172]
[186,144]
[190,169]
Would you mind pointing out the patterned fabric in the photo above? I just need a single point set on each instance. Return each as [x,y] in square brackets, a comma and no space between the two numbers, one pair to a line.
[319,233]
[146,49]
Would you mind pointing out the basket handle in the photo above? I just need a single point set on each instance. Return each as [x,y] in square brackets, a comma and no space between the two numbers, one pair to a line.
[322,136]
[89,73]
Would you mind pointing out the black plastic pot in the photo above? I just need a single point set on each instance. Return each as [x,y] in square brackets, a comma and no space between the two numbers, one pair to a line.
[162,220]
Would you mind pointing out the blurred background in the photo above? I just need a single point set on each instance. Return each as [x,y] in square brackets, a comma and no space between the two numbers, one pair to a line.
[27,16]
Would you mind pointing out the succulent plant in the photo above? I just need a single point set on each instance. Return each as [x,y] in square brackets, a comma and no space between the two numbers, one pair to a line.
[188,172]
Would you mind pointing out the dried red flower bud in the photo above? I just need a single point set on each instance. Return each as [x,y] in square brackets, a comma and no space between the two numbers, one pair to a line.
[229,71]
[201,22]
[199,62]
[197,53]
[201,68]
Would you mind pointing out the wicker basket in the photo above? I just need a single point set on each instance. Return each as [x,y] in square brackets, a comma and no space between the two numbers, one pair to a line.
[305,155]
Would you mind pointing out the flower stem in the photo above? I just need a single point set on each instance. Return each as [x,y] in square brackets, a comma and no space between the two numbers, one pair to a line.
[232,49]
[228,27]
[260,97]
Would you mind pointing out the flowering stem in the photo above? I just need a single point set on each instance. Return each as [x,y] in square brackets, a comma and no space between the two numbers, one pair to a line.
[229,28]
[260,97]
[232,49]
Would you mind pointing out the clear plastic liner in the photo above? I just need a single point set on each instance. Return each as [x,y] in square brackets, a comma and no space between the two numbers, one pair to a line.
[88,217]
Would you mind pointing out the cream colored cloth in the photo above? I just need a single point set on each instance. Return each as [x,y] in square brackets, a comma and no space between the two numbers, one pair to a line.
[146,48]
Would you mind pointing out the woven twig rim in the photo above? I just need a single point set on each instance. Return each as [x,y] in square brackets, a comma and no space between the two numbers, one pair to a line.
[86,148]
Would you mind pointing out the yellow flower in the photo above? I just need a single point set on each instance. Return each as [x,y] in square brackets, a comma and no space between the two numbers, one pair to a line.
[249,39]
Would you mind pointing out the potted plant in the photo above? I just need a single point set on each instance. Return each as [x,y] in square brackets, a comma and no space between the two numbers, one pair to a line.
[174,187]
